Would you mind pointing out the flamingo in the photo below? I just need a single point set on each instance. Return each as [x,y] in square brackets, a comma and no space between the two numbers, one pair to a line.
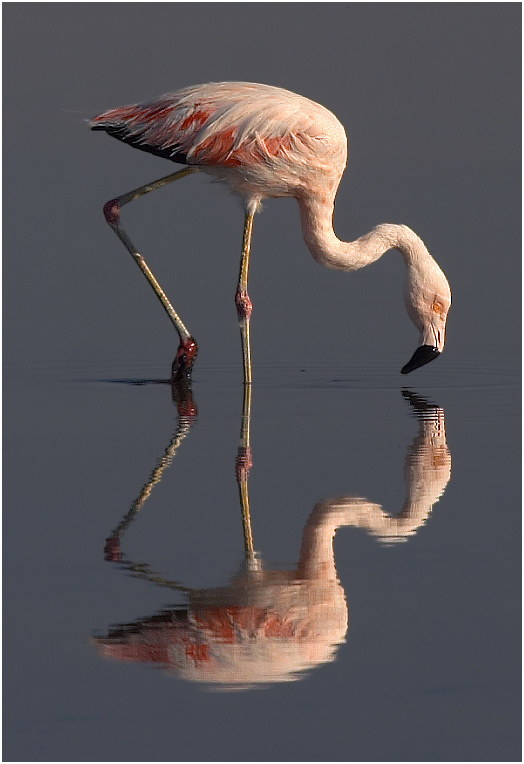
[263,142]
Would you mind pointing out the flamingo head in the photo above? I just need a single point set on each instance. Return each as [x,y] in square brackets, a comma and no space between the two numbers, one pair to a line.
[428,300]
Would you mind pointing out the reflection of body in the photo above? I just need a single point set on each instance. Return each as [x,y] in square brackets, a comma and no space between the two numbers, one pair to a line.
[270,625]
[264,626]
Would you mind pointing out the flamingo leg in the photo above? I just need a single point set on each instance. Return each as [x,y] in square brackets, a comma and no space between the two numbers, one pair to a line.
[243,303]
[188,348]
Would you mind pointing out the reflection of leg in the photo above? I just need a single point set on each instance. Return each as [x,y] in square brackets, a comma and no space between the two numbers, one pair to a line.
[188,348]
[141,570]
[187,416]
[243,465]
[183,397]
[112,551]
[243,303]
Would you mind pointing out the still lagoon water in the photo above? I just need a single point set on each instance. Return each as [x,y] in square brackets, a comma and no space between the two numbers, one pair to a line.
[180,592]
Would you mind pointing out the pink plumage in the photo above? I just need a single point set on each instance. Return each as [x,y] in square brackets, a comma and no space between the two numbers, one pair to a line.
[229,123]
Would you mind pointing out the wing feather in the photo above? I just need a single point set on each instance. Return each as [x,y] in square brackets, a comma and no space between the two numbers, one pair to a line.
[226,124]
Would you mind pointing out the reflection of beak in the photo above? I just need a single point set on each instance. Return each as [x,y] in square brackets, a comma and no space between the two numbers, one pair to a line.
[422,355]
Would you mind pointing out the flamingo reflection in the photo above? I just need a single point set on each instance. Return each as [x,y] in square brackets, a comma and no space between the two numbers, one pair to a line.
[270,625]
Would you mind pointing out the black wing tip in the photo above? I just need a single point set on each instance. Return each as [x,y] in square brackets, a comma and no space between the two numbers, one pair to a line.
[422,355]
[137,141]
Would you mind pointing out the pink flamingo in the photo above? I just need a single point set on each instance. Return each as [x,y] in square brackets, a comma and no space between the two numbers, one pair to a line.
[264,142]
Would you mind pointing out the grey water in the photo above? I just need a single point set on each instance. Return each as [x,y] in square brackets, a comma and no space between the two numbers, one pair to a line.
[134,627]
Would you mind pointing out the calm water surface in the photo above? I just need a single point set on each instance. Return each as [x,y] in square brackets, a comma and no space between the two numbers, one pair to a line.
[128,555]
[163,599]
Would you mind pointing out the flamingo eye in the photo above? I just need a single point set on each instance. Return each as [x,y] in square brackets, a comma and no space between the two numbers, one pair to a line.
[437,307]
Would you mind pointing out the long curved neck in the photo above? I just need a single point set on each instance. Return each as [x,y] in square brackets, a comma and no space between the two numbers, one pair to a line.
[317,226]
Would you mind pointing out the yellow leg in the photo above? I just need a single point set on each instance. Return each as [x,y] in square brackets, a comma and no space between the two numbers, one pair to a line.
[188,348]
[243,303]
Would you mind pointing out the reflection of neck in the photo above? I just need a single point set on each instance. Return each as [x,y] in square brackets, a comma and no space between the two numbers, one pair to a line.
[317,560]
[427,472]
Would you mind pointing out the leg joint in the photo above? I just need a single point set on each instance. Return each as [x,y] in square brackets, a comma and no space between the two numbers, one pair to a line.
[244,305]
[112,211]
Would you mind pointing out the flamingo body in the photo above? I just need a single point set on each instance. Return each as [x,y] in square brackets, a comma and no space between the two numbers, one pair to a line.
[265,141]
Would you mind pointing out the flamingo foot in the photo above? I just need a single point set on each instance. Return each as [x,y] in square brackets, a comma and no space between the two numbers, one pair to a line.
[183,363]
[112,551]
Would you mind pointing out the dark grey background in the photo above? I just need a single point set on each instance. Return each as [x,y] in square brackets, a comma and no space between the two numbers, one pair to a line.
[430,98]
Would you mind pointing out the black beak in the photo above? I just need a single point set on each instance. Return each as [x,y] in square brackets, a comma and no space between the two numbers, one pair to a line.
[422,355]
